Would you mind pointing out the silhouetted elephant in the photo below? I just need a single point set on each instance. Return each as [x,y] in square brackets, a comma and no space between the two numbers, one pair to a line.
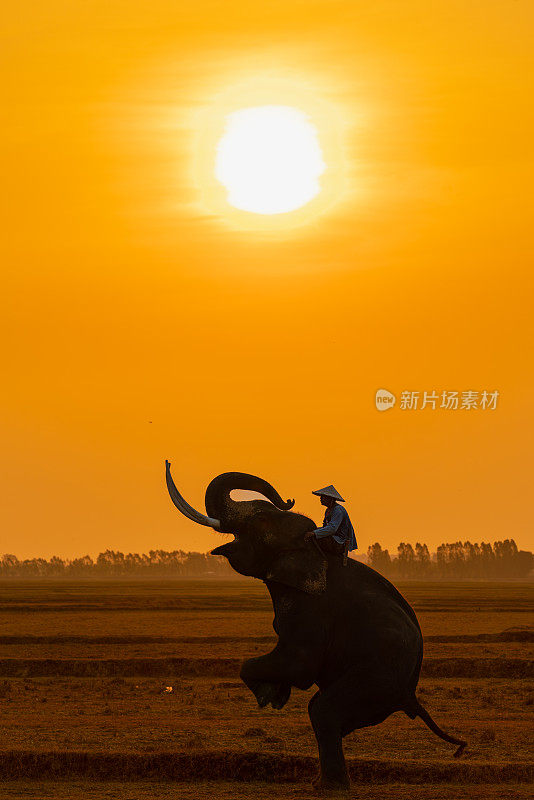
[346,629]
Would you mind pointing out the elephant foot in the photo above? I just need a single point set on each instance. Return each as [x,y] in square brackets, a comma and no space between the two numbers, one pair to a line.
[281,697]
[325,787]
[276,694]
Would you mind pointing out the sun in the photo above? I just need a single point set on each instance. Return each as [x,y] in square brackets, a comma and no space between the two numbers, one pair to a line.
[269,152]
[269,159]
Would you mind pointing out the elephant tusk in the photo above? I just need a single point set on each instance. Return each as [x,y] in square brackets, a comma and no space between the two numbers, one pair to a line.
[183,506]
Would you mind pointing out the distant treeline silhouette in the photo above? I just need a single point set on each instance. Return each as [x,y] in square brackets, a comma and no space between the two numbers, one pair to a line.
[502,561]
[114,563]
[456,560]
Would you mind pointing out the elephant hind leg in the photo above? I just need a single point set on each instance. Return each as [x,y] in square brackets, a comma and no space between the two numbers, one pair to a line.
[327,727]
[349,703]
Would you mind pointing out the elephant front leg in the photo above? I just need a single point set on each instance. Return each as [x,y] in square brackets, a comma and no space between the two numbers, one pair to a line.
[271,677]
[267,680]
[276,693]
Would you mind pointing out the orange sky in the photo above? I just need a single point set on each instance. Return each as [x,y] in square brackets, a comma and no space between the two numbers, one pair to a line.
[126,300]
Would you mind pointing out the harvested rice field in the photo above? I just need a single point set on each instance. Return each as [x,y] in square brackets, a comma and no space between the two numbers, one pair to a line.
[130,689]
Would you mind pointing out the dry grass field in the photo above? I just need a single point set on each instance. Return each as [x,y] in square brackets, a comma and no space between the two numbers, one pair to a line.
[130,689]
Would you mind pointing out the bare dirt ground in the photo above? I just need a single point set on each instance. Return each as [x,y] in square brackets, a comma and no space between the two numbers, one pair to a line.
[105,687]
[221,790]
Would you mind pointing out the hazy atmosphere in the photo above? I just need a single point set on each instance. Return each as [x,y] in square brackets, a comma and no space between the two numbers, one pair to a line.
[143,320]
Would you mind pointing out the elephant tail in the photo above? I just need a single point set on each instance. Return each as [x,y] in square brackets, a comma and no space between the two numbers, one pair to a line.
[414,709]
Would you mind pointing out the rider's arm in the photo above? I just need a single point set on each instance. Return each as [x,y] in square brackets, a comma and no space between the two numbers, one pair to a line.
[332,525]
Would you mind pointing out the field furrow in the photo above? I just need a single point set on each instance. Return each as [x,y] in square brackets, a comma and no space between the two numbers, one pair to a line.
[510,668]
[246,766]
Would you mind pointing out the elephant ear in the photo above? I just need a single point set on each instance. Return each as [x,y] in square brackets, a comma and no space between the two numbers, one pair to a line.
[298,564]
[304,569]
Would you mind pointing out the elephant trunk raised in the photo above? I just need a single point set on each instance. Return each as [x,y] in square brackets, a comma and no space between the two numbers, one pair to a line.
[223,513]
[220,505]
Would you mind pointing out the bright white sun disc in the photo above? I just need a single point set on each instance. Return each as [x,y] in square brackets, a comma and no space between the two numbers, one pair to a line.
[269,159]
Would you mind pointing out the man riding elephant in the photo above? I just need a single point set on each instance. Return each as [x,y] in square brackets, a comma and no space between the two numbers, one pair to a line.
[337,534]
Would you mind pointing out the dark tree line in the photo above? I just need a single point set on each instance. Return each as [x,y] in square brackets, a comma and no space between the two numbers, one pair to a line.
[500,561]
[114,563]
[456,560]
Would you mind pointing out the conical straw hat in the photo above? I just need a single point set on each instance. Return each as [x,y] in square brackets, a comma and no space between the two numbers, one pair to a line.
[329,491]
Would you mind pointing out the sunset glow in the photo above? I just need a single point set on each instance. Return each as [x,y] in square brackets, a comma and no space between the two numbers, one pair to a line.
[175,287]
